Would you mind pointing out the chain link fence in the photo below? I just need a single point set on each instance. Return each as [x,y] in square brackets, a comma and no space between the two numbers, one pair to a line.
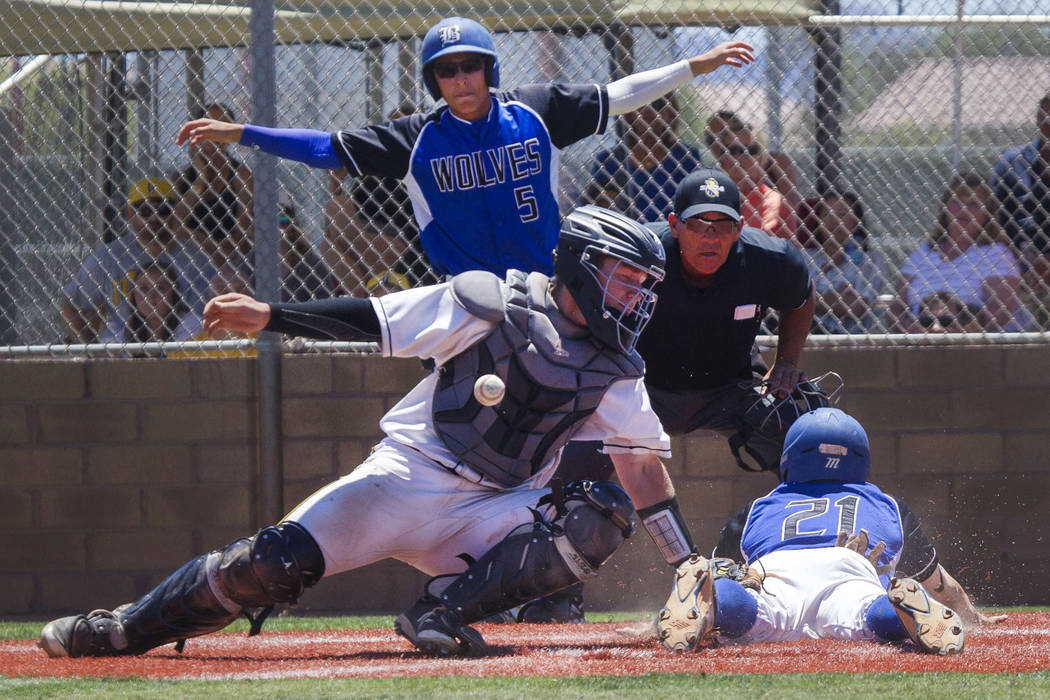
[900,140]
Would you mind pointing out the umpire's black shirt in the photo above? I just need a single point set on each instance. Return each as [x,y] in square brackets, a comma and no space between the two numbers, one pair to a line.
[701,338]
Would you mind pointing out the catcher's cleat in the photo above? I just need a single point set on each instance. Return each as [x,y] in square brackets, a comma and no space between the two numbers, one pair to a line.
[933,626]
[440,632]
[99,633]
[689,615]
[560,607]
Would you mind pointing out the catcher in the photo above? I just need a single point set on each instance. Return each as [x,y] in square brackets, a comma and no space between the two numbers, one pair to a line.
[810,572]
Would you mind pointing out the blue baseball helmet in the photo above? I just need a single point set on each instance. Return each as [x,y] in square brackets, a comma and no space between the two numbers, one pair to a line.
[457,35]
[825,445]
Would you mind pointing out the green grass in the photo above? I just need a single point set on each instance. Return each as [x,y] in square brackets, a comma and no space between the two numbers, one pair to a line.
[931,686]
[884,686]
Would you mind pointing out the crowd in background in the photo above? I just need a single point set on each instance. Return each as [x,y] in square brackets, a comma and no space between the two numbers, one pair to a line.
[984,265]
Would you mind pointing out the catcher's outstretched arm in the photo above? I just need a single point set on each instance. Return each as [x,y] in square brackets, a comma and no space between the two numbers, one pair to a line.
[342,318]
[948,591]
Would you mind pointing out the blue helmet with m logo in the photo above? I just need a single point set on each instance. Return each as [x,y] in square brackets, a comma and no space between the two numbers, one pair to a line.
[825,444]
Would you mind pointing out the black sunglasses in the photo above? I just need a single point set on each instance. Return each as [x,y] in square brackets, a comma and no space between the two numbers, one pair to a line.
[738,150]
[146,210]
[451,69]
[945,320]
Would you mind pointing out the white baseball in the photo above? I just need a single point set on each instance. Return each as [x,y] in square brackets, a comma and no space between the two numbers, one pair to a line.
[489,389]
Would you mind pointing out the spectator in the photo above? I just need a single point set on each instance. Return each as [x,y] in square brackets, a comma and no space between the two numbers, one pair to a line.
[847,276]
[1022,187]
[482,169]
[369,229]
[389,281]
[158,311]
[97,302]
[784,177]
[720,126]
[944,312]
[651,162]
[745,159]
[965,255]
[215,190]
[304,275]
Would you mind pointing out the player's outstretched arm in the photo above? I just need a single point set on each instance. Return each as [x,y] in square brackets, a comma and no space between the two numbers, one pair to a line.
[639,89]
[646,481]
[235,312]
[209,130]
[728,53]
[644,478]
[948,591]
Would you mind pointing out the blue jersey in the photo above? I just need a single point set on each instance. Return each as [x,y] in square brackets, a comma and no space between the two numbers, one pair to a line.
[807,516]
[484,193]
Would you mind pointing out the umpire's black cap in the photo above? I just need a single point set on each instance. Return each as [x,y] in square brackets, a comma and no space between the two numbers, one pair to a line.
[706,190]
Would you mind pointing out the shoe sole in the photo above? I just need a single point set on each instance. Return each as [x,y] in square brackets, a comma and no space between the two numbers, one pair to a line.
[690,610]
[934,627]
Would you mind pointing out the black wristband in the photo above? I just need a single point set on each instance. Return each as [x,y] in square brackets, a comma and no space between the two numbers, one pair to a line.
[665,524]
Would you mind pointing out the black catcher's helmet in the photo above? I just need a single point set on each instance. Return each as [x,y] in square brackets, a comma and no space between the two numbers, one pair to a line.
[589,234]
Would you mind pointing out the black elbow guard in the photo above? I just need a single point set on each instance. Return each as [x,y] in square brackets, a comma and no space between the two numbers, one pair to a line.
[665,524]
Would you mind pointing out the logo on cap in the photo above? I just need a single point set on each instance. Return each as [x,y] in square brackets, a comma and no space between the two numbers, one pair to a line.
[711,188]
[450,34]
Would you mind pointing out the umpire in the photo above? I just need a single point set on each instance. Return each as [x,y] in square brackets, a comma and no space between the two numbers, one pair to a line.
[702,365]
[702,368]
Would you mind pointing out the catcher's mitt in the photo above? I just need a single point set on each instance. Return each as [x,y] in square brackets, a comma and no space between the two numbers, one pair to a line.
[859,544]
[741,573]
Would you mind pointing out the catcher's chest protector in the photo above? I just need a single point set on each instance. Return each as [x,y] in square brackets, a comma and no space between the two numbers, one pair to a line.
[555,373]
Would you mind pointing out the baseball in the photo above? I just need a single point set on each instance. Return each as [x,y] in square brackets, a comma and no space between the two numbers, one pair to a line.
[489,389]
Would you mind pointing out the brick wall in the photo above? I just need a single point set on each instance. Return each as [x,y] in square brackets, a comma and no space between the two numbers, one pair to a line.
[114,472]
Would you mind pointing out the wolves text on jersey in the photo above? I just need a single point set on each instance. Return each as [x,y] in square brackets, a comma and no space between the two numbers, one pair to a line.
[467,170]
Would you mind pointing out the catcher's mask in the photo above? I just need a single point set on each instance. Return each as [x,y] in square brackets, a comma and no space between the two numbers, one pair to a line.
[766,421]
[590,233]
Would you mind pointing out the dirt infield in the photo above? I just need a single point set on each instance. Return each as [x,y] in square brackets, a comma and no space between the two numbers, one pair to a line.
[1020,644]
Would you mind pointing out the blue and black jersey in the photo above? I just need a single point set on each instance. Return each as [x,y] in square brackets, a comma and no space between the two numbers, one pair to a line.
[810,515]
[484,193]
[701,338]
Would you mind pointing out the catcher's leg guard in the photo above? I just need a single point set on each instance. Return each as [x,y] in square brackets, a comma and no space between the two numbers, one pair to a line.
[932,626]
[213,590]
[96,634]
[882,619]
[689,615]
[540,558]
[533,561]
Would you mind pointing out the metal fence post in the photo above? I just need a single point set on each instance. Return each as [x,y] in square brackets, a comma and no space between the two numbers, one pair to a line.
[267,263]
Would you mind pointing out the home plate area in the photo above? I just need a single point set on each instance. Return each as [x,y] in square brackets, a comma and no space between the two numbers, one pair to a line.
[1020,644]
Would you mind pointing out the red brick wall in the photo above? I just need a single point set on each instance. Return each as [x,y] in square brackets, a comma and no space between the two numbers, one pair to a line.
[115,472]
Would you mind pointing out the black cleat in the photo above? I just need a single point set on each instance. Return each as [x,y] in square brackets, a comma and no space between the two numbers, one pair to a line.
[564,606]
[440,632]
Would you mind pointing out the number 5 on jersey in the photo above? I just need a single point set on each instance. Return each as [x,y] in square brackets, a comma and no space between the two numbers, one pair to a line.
[526,200]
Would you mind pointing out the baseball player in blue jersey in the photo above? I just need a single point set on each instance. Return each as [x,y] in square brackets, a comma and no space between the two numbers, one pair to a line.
[458,487]
[482,169]
[809,570]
